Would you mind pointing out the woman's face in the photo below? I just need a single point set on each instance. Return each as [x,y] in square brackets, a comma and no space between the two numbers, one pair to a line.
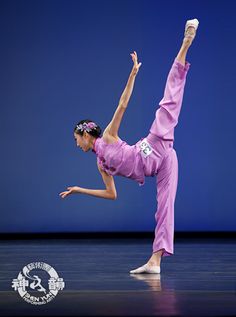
[84,142]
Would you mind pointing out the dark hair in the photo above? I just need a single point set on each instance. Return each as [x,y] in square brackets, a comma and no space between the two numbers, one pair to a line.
[96,132]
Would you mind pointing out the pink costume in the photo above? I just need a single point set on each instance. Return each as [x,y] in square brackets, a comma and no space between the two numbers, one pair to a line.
[153,155]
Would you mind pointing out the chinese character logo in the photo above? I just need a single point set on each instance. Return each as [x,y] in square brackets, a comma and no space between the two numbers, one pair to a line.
[33,288]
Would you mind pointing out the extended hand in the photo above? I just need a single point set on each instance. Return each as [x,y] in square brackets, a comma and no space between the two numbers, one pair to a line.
[71,190]
[135,60]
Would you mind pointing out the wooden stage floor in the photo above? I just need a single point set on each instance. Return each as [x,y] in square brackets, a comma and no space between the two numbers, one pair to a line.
[198,280]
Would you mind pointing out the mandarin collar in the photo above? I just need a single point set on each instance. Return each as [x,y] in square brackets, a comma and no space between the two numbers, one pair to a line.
[94,145]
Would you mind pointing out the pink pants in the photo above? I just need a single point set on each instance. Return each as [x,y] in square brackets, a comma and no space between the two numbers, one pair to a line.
[167,176]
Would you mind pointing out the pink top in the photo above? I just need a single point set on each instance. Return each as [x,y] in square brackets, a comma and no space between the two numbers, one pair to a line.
[120,158]
[145,157]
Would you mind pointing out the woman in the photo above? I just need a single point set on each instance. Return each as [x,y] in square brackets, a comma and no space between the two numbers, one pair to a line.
[152,155]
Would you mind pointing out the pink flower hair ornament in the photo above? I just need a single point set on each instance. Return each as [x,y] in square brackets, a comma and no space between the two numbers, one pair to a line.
[86,126]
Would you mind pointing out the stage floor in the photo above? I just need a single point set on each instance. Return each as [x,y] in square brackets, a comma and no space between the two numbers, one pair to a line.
[198,280]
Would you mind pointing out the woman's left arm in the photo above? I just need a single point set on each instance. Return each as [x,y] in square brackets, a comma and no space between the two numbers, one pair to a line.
[101,193]
[108,193]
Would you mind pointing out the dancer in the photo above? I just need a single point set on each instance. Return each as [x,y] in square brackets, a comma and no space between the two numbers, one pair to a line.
[152,155]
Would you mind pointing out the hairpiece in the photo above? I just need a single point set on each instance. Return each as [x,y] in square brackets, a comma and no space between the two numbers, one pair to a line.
[86,126]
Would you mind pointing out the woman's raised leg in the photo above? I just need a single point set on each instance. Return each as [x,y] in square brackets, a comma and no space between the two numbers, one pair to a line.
[167,114]
[187,41]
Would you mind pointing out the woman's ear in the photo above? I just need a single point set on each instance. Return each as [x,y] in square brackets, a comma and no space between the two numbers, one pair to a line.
[86,135]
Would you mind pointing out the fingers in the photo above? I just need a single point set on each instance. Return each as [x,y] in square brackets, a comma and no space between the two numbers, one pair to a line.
[64,194]
[134,55]
[135,59]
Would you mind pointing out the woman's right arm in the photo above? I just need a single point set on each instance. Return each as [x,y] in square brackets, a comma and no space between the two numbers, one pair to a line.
[113,127]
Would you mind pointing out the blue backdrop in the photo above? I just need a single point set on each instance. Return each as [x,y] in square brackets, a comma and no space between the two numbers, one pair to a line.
[63,61]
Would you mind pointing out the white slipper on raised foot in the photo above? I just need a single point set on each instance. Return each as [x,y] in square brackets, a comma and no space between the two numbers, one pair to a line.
[193,23]
[146,269]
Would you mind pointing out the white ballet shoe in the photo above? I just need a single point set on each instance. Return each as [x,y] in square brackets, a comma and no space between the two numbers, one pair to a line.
[146,269]
[193,23]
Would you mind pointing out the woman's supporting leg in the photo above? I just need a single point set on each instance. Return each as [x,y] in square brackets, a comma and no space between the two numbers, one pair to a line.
[163,244]
[167,180]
